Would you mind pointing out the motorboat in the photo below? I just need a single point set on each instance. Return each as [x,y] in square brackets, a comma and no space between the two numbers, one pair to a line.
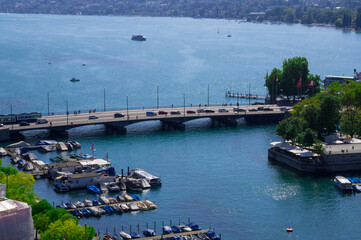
[103,200]
[21,163]
[133,206]
[112,200]
[14,160]
[88,203]
[117,208]
[125,235]
[140,173]
[74,80]
[77,213]
[357,188]
[70,206]
[133,185]
[135,197]
[46,142]
[134,235]
[149,232]
[79,204]
[113,187]
[343,183]
[28,166]
[3,152]
[86,212]
[176,229]
[150,205]
[69,146]
[194,227]
[116,236]
[30,157]
[144,183]
[127,198]
[101,211]
[142,206]
[95,211]
[96,203]
[140,37]
[93,189]
[122,186]
[103,188]
[60,187]
[75,144]
[124,207]
[47,148]
[185,228]
[212,235]
[167,230]
[108,209]
[60,146]
[120,198]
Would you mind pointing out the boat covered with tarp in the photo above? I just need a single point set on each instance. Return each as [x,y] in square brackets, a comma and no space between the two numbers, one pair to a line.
[46,142]
[20,144]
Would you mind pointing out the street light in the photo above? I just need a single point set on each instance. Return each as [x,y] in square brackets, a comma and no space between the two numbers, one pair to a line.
[249,95]
[67,113]
[48,104]
[184,104]
[104,101]
[208,96]
[157,96]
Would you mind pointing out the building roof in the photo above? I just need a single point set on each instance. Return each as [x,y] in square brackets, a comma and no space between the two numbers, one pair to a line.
[8,205]
[61,165]
[83,175]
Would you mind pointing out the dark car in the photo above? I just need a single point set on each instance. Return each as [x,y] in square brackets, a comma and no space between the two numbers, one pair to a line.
[24,123]
[118,115]
[209,111]
[190,112]
[253,110]
[267,109]
[175,112]
[162,112]
[260,108]
[239,110]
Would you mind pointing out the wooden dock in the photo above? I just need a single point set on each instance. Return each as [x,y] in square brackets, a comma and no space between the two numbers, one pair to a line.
[112,204]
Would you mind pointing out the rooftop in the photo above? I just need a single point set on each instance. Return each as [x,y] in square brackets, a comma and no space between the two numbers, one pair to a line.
[61,165]
[83,175]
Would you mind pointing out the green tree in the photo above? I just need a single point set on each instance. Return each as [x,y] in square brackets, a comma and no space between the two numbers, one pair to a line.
[293,69]
[281,129]
[272,83]
[68,229]
[358,19]
[350,121]
[329,114]
[311,114]
[318,147]
[41,207]
[41,222]
[306,138]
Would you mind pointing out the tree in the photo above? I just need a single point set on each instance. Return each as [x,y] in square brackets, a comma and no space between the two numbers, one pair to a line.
[350,120]
[294,127]
[358,19]
[41,207]
[318,147]
[281,129]
[293,69]
[41,222]
[311,114]
[306,138]
[67,229]
[329,114]
[272,83]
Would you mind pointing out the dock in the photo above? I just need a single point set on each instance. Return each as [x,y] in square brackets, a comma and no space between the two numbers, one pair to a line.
[112,204]
[37,172]
[175,234]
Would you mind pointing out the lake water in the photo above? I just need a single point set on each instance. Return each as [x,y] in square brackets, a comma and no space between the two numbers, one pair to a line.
[215,177]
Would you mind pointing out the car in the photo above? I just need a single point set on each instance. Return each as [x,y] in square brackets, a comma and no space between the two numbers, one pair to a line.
[239,110]
[200,110]
[41,121]
[150,114]
[267,109]
[175,112]
[162,113]
[209,111]
[253,110]
[118,115]
[222,110]
[284,109]
[23,123]
[260,108]
[1,124]
[93,117]
[190,112]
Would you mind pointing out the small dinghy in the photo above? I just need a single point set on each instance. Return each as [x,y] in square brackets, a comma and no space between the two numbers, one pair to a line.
[86,212]
[150,205]
[194,227]
[176,229]
[79,204]
[125,235]
[88,203]
[133,207]
[127,198]
[135,197]
[212,235]
[120,198]
[357,188]
[70,206]
[149,232]
[95,211]
[60,187]
[108,209]
[117,209]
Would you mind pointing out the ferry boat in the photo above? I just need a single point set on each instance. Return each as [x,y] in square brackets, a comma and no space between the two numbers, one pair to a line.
[140,173]
[343,184]
[140,37]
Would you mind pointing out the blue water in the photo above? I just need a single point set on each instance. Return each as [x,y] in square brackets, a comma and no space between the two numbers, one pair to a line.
[215,177]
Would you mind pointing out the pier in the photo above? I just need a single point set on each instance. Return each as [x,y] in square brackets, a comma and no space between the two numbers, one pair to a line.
[58,125]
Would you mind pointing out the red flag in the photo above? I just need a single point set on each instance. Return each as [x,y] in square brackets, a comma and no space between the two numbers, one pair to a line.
[311,83]
[299,82]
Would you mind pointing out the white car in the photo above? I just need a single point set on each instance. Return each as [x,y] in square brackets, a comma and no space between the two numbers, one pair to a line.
[93,117]
[222,110]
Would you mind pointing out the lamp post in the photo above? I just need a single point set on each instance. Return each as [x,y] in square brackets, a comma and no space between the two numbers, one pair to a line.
[67,113]
[127,109]
[249,94]
[11,113]
[157,96]
[184,104]
[208,96]
[48,104]
[104,101]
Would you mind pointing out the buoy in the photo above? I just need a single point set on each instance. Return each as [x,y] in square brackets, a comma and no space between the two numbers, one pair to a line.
[289,229]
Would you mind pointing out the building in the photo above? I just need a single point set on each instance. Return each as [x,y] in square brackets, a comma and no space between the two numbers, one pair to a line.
[82,180]
[56,169]
[341,79]
[16,222]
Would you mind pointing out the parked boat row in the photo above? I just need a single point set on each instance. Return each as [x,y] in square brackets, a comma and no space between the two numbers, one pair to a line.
[348,184]
[190,231]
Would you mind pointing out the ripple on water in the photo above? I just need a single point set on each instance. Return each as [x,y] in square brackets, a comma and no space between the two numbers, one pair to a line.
[281,191]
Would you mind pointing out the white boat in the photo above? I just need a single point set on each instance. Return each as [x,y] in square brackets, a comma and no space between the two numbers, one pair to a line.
[140,173]
[94,211]
[104,200]
[150,205]
[79,204]
[125,235]
[343,183]
[142,206]
[133,206]
[124,207]
[144,183]
[88,203]
[28,166]
[112,200]
[2,152]
[61,146]
[127,198]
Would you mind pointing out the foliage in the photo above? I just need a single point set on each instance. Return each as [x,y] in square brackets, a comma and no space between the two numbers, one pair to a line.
[350,121]
[67,229]
[318,147]
[272,83]
[41,207]
[329,114]
[306,137]
[289,129]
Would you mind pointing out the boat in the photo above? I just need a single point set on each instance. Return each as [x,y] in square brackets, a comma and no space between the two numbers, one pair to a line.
[133,206]
[134,235]
[3,152]
[176,229]
[21,163]
[75,144]
[30,157]
[101,211]
[343,183]
[108,209]
[133,185]
[125,235]
[74,80]
[93,189]
[150,205]
[70,206]
[122,185]
[120,198]
[149,232]
[357,188]
[194,227]
[113,187]
[46,142]
[46,148]
[69,146]
[96,203]
[229,35]
[60,146]
[140,173]
[116,236]
[86,212]
[103,188]
[88,203]
[140,37]
[127,198]
[124,207]
[117,208]
[144,183]
[94,211]
[28,167]
[167,230]
[60,187]
[135,197]
[185,228]
[103,200]
[77,213]
[112,200]
[79,204]
[14,160]
[142,206]
[107,237]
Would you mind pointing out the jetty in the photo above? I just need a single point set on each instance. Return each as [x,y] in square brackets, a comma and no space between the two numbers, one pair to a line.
[182,234]
[117,203]
[171,118]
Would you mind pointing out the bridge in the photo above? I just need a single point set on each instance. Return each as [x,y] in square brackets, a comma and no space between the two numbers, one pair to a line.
[59,124]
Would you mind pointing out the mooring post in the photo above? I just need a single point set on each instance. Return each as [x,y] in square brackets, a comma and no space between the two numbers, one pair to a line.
[147,225]
[189,220]
[114,229]
[170,222]
[106,230]
[122,228]
[130,228]
[162,223]
[138,228]
[155,226]
[128,171]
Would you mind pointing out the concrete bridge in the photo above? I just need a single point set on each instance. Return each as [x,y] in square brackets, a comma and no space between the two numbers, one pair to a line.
[59,124]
